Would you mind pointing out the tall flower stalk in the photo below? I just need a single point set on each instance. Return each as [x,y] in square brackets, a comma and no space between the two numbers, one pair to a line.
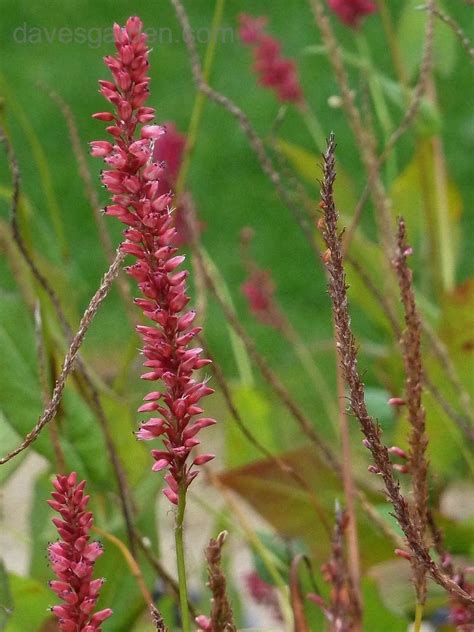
[133,178]
[73,557]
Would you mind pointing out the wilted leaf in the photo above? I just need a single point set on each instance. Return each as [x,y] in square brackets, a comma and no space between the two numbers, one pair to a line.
[290,509]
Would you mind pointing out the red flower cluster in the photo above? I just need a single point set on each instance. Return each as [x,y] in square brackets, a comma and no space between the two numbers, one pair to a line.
[139,202]
[352,11]
[275,71]
[73,557]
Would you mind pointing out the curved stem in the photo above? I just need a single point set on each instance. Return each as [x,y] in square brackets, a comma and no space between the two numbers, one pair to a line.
[180,561]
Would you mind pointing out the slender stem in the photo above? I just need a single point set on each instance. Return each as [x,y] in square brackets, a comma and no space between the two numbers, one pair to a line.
[178,532]
[314,127]
[199,103]
[418,617]
[380,105]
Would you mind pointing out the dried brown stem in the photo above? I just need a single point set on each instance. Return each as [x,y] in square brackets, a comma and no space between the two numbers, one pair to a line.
[460,420]
[347,346]
[418,440]
[60,466]
[71,355]
[222,618]
[455,27]
[344,603]
[157,619]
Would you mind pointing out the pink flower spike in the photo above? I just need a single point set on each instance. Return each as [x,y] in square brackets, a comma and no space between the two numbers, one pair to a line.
[142,168]
[204,623]
[72,559]
[274,71]
[100,148]
[251,28]
[203,458]
[152,131]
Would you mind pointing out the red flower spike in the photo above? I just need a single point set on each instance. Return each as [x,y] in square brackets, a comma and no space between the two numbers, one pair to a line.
[351,12]
[72,559]
[274,71]
[143,161]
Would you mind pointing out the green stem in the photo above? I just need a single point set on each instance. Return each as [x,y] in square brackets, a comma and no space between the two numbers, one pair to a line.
[418,617]
[314,127]
[178,532]
[380,105]
[200,101]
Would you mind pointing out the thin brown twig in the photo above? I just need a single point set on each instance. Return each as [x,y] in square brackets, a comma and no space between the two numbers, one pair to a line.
[157,619]
[60,465]
[455,27]
[71,355]
[347,345]
[391,316]
[350,532]
[418,440]
[130,561]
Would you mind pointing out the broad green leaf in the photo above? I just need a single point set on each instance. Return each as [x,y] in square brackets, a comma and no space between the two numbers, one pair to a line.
[134,455]
[413,197]
[255,412]
[31,600]
[411,29]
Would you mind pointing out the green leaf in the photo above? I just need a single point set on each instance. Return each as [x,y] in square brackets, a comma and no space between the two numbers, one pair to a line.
[6,602]
[413,197]
[31,601]
[376,612]
[255,412]
[411,29]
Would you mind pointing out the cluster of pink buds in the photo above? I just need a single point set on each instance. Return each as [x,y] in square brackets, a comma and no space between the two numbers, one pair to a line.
[72,559]
[133,179]
[274,71]
[351,12]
